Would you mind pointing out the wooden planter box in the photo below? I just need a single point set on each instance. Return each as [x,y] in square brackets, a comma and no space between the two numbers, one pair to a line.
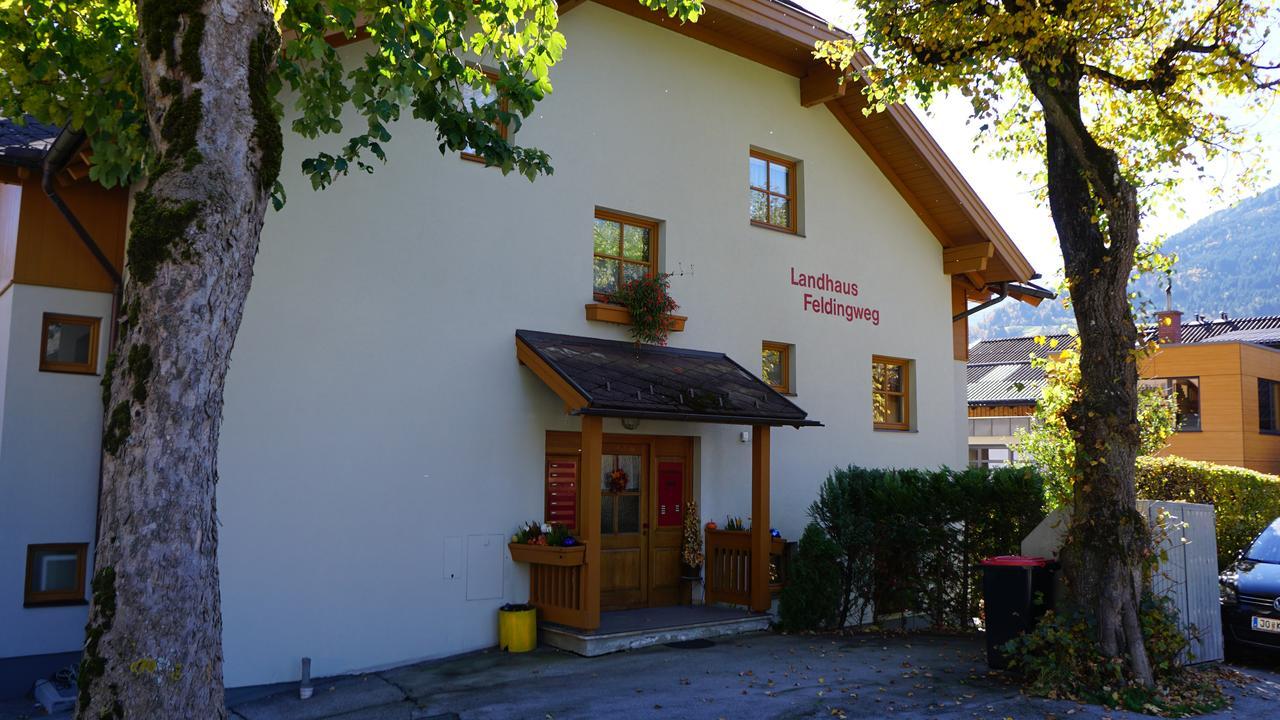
[548,555]
[605,312]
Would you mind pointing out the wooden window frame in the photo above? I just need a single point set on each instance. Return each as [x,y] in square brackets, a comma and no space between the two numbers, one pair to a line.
[784,349]
[87,368]
[792,197]
[655,241]
[1272,386]
[34,598]
[905,394]
[503,129]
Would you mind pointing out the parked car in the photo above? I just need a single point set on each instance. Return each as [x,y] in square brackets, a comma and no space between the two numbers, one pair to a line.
[1250,594]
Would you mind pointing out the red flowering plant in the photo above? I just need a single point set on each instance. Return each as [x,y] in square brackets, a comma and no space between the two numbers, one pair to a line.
[649,301]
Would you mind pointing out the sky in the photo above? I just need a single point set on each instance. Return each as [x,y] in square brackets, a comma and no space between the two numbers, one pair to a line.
[1011,195]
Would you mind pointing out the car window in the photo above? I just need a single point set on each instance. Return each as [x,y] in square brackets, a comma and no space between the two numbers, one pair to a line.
[1267,547]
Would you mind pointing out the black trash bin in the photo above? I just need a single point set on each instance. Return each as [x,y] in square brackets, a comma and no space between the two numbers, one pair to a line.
[1016,590]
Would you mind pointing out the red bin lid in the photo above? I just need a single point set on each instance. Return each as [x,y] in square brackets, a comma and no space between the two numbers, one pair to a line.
[1015,561]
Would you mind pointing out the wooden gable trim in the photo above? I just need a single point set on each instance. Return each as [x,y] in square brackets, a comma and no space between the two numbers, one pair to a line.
[573,400]
[823,83]
[967,258]
[703,32]
[912,200]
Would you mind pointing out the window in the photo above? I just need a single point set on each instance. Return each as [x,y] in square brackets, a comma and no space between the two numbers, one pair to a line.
[1268,406]
[625,248]
[981,456]
[620,493]
[482,97]
[55,574]
[775,366]
[891,393]
[69,343]
[1186,393]
[773,191]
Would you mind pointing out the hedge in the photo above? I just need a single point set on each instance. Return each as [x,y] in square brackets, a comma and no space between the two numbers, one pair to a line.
[1245,501]
[909,540]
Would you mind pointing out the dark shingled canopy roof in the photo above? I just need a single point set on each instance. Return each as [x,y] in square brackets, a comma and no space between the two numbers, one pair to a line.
[25,144]
[620,380]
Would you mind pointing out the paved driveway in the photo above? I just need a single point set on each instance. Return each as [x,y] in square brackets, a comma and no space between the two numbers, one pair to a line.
[761,675]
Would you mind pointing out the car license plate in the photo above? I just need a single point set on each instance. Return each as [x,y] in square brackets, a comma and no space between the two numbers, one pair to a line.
[1266,624]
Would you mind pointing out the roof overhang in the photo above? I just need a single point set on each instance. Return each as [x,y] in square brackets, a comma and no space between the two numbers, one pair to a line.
[610,378]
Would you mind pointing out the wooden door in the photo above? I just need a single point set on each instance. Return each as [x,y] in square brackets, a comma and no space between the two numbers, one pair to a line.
[667,506]
[624,494]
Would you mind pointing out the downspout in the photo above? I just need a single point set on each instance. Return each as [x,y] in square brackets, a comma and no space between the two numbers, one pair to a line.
[1002,292]
[56,158]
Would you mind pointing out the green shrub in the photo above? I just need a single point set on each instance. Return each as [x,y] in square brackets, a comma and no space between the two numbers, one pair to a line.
[811,598]
[1059,659]
[1244,501]
[909,539]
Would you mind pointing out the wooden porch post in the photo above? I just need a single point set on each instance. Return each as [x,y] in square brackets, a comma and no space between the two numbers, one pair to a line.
[589,519]
[760,539]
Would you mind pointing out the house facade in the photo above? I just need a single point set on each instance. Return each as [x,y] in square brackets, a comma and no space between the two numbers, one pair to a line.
[1224,374]
[428,359]
[54,301]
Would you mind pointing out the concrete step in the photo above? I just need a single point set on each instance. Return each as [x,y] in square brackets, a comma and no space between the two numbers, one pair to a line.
[595,643]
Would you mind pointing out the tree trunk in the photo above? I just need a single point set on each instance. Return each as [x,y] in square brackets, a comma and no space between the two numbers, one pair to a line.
[154,640]
[1095,211]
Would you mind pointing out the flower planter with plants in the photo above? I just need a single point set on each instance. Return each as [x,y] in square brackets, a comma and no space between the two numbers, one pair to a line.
[645,304]
[545,544]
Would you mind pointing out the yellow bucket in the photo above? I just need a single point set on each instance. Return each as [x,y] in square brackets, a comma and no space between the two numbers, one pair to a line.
[517,628]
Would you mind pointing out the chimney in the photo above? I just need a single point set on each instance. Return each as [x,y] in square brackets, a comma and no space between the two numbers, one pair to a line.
[1169,321]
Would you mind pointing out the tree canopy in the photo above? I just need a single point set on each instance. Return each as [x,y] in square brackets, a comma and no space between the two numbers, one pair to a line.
[76,63]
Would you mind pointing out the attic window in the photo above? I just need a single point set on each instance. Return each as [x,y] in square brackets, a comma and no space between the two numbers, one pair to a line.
[773,191]
[482,97]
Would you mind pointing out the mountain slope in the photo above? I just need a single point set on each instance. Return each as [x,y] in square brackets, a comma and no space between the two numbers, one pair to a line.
[1227,262]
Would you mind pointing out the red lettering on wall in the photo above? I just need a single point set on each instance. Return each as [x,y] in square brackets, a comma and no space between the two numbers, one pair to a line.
[834,307]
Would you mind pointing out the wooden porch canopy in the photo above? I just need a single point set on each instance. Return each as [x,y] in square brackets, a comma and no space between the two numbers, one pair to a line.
[607,378]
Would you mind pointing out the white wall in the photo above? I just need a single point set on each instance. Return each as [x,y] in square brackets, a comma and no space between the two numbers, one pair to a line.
[375,411]
[49,451]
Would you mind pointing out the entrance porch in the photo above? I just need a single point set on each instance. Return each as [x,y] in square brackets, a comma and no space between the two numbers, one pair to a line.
[645,627]
[603,378]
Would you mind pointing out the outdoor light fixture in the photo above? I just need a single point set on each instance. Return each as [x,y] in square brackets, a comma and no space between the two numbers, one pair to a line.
[631,423]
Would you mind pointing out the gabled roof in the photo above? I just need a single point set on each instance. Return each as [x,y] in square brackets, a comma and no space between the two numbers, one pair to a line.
[782,35]
[24,144]
[1000,370]
[623,379]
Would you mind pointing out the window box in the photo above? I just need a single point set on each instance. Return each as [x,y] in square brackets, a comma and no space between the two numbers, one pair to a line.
[610,313]
[548,555]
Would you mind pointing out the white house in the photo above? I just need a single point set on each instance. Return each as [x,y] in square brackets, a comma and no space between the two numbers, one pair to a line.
[386,429]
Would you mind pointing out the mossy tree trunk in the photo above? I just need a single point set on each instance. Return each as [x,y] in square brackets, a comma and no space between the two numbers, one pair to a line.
[1095,211]
[154,639]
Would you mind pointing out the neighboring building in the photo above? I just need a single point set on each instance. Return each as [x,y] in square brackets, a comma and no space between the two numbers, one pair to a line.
[54,299]
[424,361]
[1224,374]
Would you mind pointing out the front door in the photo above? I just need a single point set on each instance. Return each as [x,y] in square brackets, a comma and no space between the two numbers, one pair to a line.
[624,551]
[644,487]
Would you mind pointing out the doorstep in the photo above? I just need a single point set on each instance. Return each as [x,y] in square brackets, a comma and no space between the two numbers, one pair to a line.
[644,627]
